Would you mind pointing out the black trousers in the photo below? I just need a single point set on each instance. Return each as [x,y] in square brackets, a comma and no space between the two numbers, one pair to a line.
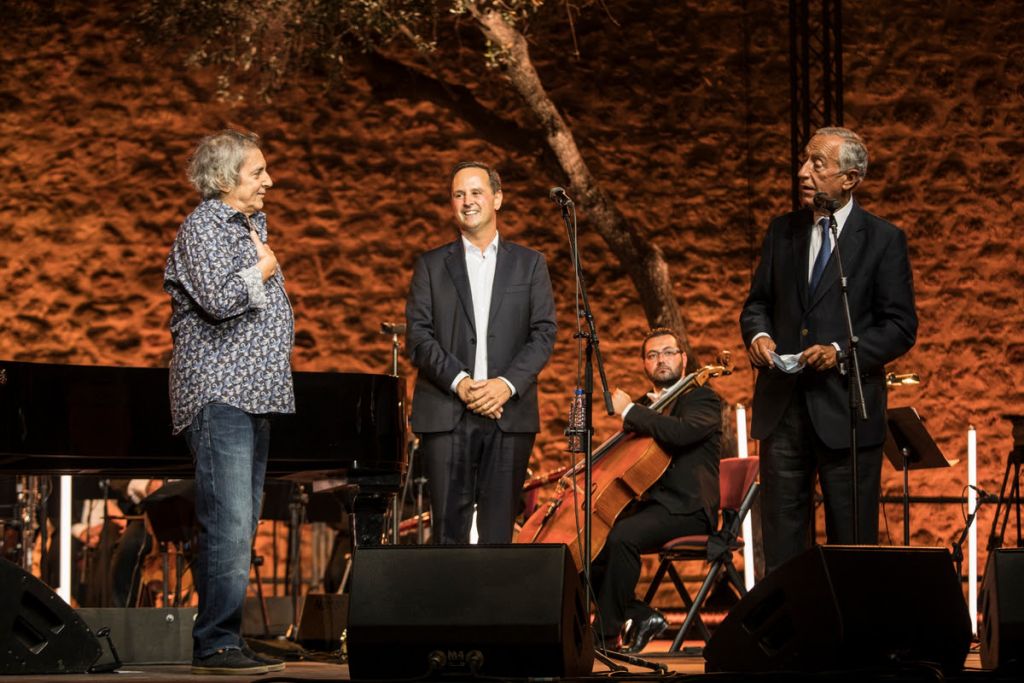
[475,464]
[643,528]
[790,459]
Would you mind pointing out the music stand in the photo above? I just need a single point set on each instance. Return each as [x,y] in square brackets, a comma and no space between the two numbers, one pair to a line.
[909,446]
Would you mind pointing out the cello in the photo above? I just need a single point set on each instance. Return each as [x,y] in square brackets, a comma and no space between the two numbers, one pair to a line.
[623,468]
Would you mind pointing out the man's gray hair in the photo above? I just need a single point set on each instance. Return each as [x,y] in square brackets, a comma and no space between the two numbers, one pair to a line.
[853,153]
[214,165]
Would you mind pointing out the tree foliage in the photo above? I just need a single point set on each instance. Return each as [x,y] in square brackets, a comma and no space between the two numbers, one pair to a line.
[268,41]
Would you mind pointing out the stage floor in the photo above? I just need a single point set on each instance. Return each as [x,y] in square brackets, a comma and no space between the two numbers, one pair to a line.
[691,666]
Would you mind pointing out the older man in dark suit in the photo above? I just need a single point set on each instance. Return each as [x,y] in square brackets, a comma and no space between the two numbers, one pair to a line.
[480,327]
[801,413]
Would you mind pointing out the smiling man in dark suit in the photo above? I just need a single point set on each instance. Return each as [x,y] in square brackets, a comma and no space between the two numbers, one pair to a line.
[480,327]
[794,307]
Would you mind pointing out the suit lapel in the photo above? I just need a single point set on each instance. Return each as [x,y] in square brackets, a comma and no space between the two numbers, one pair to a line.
[851,241]
[800,232]
[455,264]
[502,274]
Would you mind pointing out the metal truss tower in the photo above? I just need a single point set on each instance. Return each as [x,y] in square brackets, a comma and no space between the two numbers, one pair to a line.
[815,74]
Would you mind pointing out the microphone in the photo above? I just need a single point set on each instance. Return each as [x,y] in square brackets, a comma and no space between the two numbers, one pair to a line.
[983,495]
[561,198]
[822,202]
[392,328]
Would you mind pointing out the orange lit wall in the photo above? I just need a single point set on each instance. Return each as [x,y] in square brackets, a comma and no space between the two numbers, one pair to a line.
[682,111]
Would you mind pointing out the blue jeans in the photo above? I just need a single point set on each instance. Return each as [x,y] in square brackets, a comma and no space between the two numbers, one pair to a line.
[230,448]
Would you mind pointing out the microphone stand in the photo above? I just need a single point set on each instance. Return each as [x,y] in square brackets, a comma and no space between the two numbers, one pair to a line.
[593,350]
[586,432]
[958,544]
[395,329]
[856,389]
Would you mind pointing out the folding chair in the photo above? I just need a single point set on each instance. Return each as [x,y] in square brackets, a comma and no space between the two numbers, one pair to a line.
[737,488]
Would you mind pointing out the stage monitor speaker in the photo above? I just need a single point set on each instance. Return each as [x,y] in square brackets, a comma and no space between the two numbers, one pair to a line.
[324,616]
[145,635]
[279,616]
[505,611]
[847,607]
[1002,609]
[39,632]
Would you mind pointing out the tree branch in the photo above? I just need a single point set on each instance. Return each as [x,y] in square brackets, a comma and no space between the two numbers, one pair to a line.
[642,260]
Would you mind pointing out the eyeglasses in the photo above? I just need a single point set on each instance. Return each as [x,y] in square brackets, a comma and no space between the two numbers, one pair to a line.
[667,354]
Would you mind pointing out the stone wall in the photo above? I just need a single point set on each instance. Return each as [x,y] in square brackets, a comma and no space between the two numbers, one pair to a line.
[680,108]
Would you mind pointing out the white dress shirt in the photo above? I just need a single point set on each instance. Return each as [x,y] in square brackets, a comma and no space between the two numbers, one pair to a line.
[480,268]
[841,215]
[480,265]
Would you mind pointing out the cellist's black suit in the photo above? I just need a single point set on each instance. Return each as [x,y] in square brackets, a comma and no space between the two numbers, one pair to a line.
[682,502]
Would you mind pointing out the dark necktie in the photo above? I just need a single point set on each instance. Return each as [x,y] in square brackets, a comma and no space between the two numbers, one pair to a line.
[823,254]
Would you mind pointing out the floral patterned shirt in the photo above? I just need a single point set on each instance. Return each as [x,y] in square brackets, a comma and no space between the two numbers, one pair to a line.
[232,332]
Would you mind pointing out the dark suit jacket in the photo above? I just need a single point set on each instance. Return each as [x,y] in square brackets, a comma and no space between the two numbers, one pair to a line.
[441,334]
[881,293]
[691,432]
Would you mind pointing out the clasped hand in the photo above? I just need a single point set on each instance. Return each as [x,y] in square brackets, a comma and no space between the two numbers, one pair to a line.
[485,396]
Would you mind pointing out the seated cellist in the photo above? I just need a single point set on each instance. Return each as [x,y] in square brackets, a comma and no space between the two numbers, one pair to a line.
[684,500]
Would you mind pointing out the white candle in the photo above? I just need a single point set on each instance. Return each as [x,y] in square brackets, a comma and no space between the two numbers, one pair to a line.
[748,526]
[64,586]
[972,533]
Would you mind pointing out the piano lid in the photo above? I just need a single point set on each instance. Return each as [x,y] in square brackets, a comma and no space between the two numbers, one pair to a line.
[78,419]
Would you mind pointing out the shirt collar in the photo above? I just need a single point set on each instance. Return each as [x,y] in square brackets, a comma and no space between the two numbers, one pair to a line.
[841,215]
[470,248]
[225,212]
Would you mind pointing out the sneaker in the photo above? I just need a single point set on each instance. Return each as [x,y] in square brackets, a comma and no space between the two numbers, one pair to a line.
[228,663]
[272,663]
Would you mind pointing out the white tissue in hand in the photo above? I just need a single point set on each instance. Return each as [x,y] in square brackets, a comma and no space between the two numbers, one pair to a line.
[791,363]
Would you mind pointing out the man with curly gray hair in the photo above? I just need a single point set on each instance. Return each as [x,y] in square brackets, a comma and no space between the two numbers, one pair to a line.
[233,331]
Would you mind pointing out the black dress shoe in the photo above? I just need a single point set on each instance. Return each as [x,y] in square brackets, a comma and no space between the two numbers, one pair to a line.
[643,631]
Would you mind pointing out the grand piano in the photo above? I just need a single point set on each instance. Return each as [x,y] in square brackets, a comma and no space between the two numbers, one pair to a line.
[348,428]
